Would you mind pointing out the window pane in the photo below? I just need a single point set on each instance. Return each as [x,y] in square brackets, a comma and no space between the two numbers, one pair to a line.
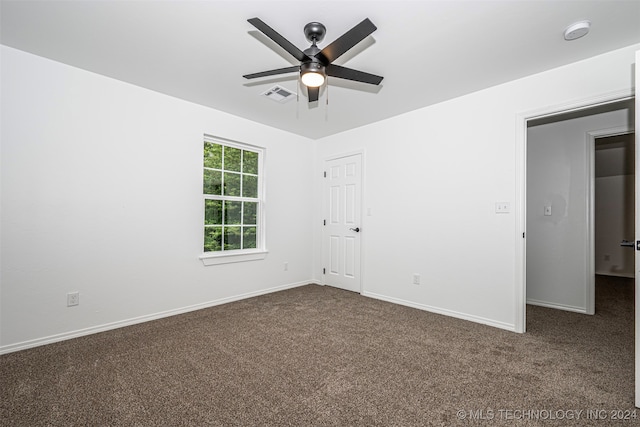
[231,238]
[232,159]
[212,182]
[231,184]
[212,155]
[250,162]
[250,215]
[249,238]
[231,205]
[249,186]
[232,212]
[213,212]
[212,239]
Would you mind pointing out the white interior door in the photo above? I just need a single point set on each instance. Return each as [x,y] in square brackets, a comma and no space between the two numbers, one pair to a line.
[637,266]
[342,220]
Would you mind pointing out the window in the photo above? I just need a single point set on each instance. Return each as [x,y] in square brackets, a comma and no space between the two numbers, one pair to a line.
[233,206]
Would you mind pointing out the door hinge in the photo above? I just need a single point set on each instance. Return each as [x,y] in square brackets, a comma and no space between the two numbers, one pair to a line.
[523,235]
[325,174]
[324,271]
[324,222]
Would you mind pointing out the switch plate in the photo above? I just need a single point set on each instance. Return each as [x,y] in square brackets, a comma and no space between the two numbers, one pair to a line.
[503,207]
[416,279]
[547,211]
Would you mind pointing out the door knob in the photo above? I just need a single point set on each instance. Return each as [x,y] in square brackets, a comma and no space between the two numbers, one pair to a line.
[357,229]
[627,244]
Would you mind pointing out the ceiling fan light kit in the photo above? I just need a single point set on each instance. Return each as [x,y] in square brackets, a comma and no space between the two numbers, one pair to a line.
[315,64]
[312,74]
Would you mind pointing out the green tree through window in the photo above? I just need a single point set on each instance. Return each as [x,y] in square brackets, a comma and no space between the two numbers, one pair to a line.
[232,196]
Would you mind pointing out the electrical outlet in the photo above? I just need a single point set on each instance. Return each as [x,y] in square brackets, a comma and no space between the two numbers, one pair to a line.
[73,298]
[416,279]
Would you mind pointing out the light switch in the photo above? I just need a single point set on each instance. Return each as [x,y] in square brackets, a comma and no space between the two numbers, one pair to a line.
[503,207]
[547,211]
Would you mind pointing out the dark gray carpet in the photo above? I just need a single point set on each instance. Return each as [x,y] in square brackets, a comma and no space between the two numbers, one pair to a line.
[322,356]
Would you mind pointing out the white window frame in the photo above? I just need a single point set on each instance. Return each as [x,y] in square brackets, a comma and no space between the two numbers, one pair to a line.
[238,255]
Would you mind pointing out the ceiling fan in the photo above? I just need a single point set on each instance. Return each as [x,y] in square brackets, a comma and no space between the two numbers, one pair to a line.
[315,64]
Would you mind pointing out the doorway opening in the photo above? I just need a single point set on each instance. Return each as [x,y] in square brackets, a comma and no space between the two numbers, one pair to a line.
[579,168]
[614,188]
[614,183]
[561,202]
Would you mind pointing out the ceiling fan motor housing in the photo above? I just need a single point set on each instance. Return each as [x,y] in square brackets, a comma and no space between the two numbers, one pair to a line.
[312,67]
[312,64]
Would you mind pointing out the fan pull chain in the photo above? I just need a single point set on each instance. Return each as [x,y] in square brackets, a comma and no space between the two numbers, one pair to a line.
[326,109]
[298,97]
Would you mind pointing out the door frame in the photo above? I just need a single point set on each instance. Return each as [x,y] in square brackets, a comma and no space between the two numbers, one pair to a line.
[522,119]
[323,207]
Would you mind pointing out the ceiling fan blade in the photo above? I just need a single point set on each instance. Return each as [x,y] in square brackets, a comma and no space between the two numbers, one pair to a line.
[346,41]
[276,37]
[351,74]
[294,68]
[313,93]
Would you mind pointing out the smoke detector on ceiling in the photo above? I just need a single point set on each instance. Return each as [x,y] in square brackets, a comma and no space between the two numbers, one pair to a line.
[577,30]
[279,94]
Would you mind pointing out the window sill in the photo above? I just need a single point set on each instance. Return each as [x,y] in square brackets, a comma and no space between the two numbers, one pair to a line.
[211,258]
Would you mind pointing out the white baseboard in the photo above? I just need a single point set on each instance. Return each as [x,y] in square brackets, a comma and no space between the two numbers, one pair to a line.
[133,321]
[445,312]
[557,306]
[609,273]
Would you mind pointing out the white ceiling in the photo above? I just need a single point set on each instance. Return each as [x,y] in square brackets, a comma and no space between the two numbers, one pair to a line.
[427,51]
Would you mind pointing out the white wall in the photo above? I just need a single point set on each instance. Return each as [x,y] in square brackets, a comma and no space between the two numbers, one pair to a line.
[102,194]
[558,156]
[432,178]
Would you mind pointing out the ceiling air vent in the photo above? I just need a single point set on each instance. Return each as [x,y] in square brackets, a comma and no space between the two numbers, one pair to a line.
[279,94]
